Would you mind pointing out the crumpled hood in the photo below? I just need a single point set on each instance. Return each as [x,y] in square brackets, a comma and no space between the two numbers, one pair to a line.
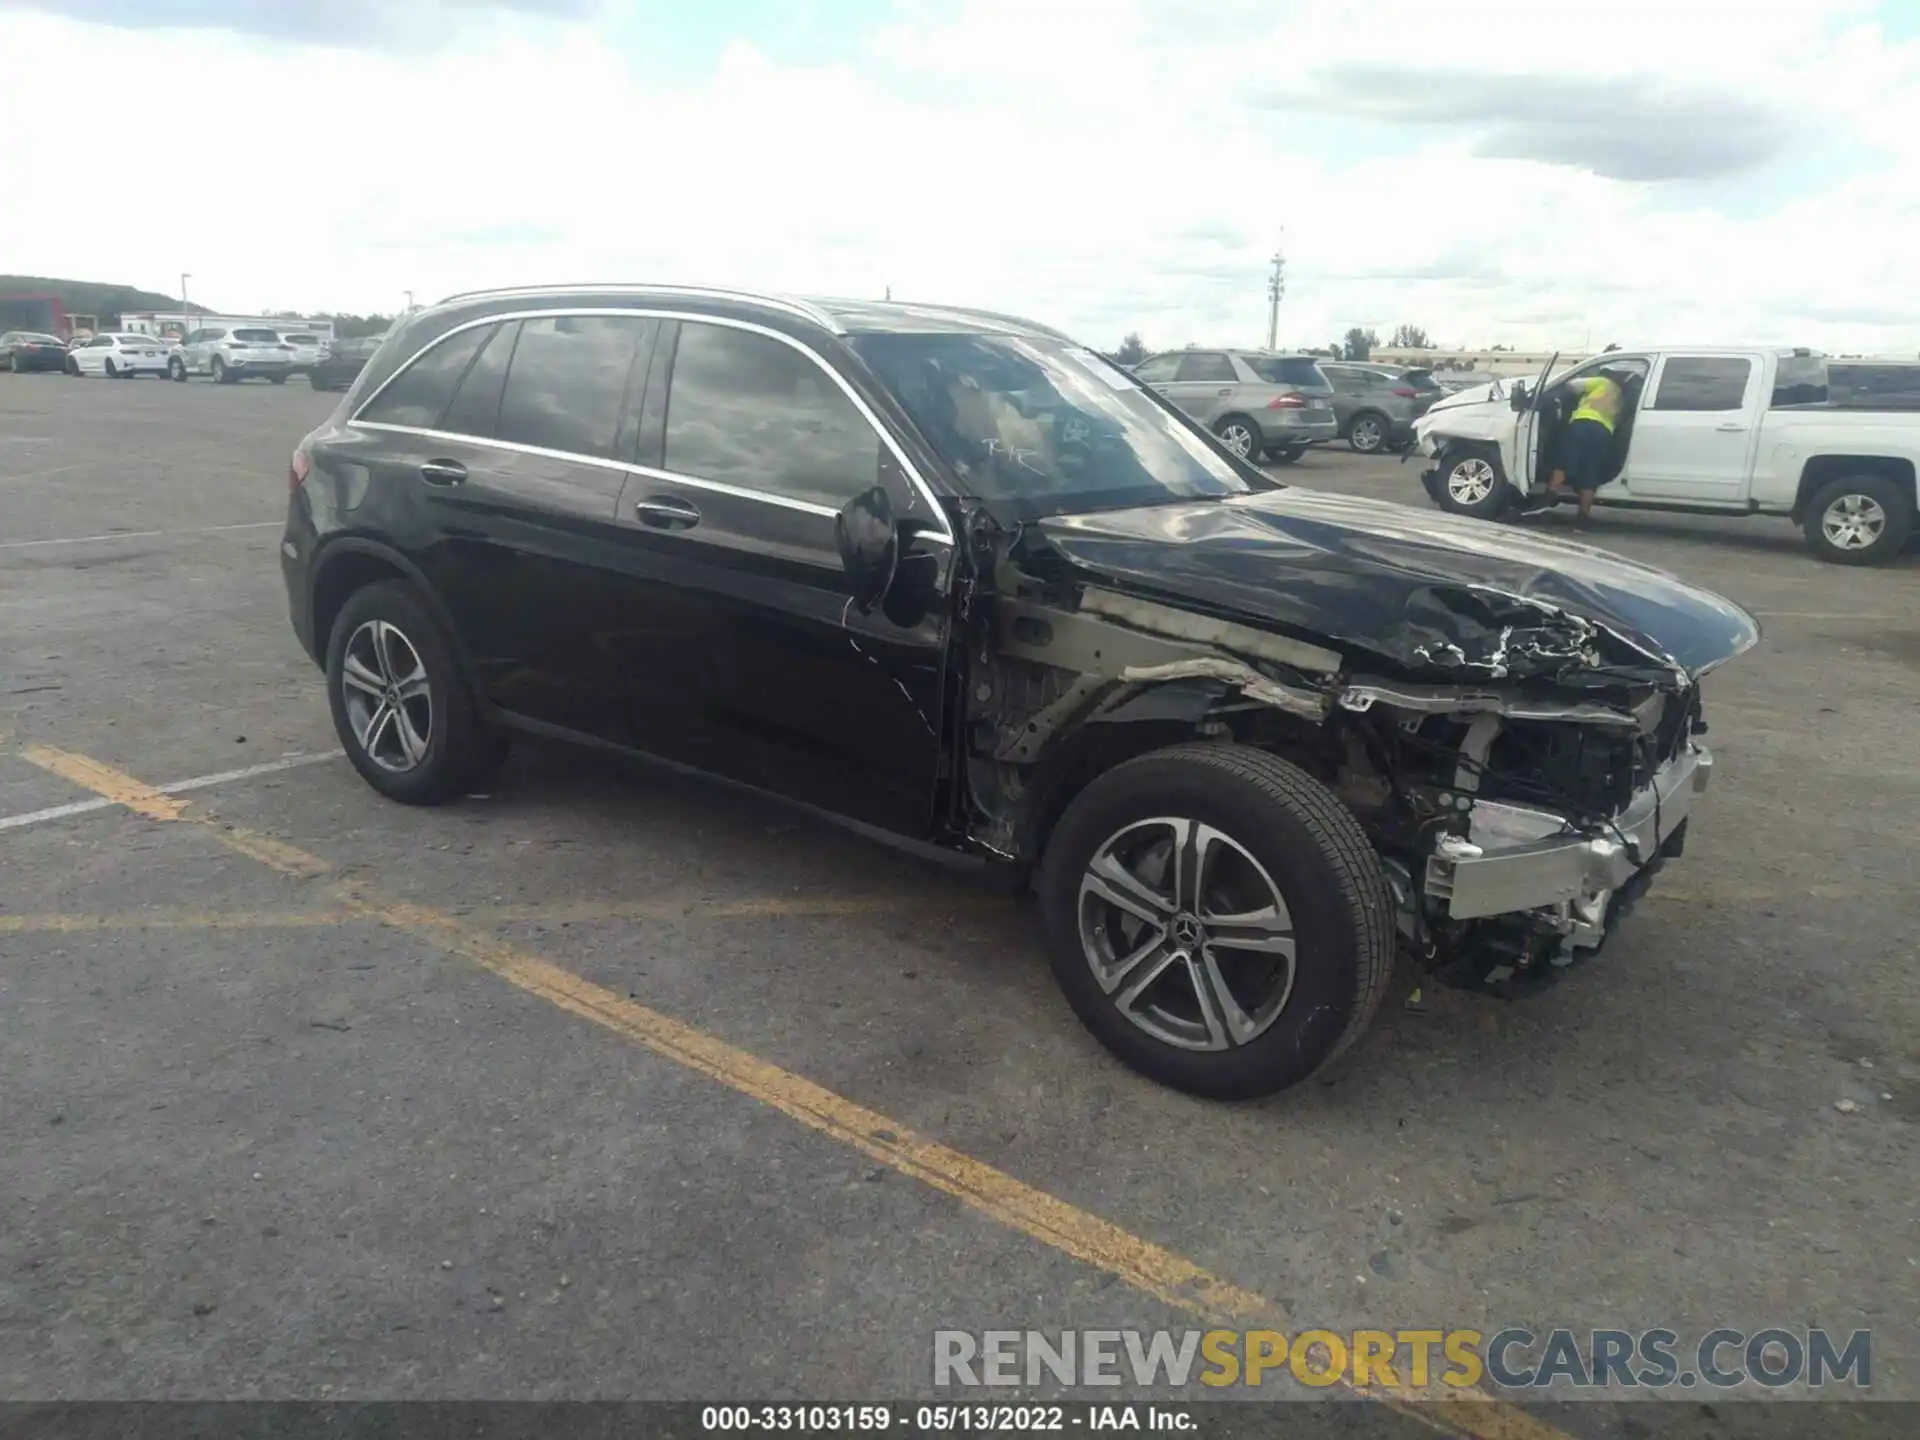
[1430,592]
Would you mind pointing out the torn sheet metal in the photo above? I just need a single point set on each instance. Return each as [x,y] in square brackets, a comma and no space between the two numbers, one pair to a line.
[1427,592]
[1364,693]
[1310,704]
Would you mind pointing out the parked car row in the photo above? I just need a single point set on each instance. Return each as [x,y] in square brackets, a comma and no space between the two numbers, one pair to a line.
[227,356]
[1270,406]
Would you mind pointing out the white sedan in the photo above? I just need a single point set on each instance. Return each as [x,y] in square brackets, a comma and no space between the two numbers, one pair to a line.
[117,356]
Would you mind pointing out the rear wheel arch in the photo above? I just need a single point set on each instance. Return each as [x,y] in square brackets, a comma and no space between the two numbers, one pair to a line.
[1821,470]
[349,565]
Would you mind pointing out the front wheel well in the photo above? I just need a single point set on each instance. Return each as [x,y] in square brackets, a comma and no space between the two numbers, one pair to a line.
[336,584]
[1821,469]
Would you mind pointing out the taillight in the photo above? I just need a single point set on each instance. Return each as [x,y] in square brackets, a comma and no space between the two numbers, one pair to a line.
[1406,393]
[298,470]
[1287,402]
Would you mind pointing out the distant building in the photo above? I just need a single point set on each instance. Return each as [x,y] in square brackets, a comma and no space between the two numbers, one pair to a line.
[172,324]
[42,314]
[1490,363]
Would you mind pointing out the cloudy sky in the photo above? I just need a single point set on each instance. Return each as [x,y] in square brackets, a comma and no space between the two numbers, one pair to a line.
[1535,175]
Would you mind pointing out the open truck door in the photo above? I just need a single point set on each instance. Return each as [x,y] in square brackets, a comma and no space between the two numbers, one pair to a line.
[1529,466]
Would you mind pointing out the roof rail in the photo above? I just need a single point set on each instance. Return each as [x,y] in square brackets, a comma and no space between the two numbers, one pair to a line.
[800,308]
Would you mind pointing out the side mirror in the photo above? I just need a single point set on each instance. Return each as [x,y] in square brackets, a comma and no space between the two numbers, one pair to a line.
[869,542]
[1517,396]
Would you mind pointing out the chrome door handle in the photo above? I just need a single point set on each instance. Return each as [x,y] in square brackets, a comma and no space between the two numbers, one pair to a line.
[665,512]
[1227,391]
[443,472]
[1730,429]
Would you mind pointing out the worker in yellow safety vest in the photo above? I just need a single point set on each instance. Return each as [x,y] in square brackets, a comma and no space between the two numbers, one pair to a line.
[1586,445]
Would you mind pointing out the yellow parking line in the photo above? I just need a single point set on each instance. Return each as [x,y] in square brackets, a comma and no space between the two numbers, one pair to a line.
[235,920]
[1141,1263]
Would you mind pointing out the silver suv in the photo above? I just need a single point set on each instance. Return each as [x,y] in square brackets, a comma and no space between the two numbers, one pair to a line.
[1260,403]
[1376,405]
[232,355]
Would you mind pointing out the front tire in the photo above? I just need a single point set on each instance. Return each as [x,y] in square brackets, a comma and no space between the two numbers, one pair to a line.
[1367,433]
[113,371]
[71,367]
[1859,520]
[177,369]
[1288,454]
[402,706]
[277,379]
[1241,436]
[1217,919]
[221,375]
[1472,483]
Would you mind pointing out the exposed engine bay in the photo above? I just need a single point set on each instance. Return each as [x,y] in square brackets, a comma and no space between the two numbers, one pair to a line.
[1522,774]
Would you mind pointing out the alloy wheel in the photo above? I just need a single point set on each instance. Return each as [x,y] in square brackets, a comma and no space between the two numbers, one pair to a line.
[1239,439]
[1470,481]
[389,700]
[1853,522]
[1367,436]
[1187,934]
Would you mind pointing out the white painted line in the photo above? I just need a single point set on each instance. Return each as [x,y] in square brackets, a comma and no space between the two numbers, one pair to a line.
[198,782]
[42,474]
[140,535]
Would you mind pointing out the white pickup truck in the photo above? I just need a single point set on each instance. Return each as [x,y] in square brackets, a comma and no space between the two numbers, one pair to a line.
[1708,430]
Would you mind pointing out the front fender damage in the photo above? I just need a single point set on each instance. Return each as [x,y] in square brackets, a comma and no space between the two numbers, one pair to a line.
[1481,706]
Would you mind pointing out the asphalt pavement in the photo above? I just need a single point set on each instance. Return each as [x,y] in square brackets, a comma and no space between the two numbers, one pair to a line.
[611,1083]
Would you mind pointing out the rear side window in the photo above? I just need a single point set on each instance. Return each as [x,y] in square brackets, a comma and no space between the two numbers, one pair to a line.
[567,384]
[1296,370]
[213,334]
[476,403]
[418,395]
[1206,365]
[1702,382]
[1875,387]
[1800,380]
[750,411]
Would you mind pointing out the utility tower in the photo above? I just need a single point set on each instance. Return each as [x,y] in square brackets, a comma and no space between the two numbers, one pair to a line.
[1276,287]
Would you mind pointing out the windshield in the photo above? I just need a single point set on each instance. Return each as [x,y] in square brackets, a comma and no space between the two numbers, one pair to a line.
[1419,380]
[1299,370]
[257,337]
[33,337]
[1041,428]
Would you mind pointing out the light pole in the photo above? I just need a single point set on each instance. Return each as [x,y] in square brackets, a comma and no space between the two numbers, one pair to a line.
[1276,287]
[409,295]
[186,315]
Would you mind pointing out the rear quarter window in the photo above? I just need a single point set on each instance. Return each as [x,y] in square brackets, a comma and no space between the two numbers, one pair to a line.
[1296,370]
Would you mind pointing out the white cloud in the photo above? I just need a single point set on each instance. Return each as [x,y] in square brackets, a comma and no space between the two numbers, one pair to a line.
[1104,166]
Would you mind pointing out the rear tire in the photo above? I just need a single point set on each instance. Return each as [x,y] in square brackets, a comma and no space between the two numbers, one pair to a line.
[1858,520]
[442,745]
[1472,484]
[1287,454]
[1367,432]
[113,371]
[1241,436]
[221,375]
[1259,827]
[277,379]
[177,370]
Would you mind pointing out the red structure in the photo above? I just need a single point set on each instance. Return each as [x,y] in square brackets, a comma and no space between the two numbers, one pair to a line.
[43,313]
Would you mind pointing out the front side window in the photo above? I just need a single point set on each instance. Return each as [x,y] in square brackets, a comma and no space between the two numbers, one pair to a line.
[1041,427]
[748,410]
[1206,365]
[1702,382]
[418,395]
[1159,370]
[567,383]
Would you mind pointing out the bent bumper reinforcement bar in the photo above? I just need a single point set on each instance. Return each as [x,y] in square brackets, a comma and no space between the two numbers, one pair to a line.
[1517,858]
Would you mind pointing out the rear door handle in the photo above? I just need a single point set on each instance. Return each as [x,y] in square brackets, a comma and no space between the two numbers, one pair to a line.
[1730,428]
[1227,391]
[666,512]
[443,472]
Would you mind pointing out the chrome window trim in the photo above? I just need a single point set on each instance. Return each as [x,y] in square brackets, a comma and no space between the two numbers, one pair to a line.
[804,309]
[907,467]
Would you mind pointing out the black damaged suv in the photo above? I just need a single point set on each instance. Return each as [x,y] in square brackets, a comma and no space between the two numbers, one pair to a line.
[952,575]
